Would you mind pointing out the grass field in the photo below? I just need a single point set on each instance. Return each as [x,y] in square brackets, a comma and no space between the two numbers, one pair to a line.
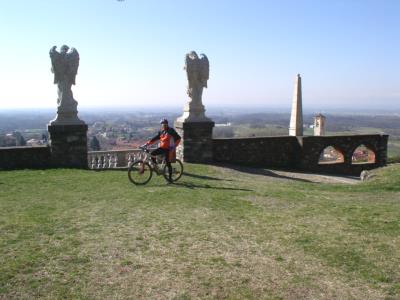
[220,233]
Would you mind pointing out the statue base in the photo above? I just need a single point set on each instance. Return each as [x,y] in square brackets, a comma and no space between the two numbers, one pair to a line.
[196,145]
[67,113]
[68,144]
[193,113]
[67,118]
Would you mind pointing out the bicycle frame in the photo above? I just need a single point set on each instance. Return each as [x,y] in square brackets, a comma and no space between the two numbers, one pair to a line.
[156,167]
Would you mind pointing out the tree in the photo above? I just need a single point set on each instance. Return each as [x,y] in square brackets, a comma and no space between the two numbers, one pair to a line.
[94,144]
[223,132]
[19,139]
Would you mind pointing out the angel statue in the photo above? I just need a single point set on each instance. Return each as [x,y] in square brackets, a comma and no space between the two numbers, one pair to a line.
[64,65]
[197,70]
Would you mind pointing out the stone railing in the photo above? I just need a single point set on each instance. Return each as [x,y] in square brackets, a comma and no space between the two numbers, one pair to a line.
[113,159]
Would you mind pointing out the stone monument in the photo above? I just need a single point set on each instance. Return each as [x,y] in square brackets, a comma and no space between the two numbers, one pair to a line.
[319,125]
[64,66]
[194,127]
[296,118]
[67,133]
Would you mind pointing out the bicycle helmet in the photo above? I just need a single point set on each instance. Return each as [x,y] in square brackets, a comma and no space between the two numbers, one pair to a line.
[164,121]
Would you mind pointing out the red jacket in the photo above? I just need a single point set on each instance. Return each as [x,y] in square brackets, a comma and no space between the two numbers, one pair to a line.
[169,139]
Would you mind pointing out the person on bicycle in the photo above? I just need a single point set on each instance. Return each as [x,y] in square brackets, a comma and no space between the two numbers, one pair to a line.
[169,140]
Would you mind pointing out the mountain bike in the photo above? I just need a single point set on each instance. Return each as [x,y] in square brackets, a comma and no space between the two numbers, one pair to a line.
[141,170]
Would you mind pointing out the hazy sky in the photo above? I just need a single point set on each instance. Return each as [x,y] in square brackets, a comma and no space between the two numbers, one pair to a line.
[132,52]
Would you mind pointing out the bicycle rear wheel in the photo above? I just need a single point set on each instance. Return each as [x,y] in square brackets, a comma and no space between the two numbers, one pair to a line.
[177,170]
[140,172]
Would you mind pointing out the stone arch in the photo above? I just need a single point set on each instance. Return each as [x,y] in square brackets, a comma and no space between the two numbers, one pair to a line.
[331,155]
[363,154]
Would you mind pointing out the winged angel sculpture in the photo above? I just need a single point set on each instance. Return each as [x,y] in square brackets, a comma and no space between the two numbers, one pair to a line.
[64,65]
[197,70]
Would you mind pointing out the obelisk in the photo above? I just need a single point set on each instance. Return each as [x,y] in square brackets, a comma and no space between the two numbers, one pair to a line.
[296,118]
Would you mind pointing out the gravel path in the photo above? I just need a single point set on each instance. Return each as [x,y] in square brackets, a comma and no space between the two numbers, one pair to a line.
[289,175]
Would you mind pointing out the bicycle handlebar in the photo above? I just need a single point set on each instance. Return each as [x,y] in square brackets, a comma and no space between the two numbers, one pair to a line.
[144,148]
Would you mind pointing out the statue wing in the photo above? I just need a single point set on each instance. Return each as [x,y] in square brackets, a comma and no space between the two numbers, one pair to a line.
[204,69]
[72,61]
[189,66]
[56,64]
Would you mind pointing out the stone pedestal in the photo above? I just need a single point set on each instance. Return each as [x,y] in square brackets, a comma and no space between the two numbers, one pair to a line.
[196,143]
[193,112]
[68,145]
[67,116]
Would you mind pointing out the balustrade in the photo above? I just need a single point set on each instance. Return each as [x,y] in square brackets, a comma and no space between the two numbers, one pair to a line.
[113,159]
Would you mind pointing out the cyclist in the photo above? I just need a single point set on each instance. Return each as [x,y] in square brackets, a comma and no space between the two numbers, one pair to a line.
[169,140]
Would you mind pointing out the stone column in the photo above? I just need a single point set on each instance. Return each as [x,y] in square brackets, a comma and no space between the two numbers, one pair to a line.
[296,118]
[196,132]
[68,144]
[196,143]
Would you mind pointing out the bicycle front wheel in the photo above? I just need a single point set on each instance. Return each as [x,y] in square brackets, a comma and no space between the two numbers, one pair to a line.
[177,170]
[140,172]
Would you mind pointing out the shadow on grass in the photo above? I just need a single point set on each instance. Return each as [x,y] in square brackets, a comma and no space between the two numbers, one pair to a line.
[207,186]
[263,172]
[204,177]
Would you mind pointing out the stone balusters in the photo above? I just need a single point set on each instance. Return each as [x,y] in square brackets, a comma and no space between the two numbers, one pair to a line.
[112,159]
[131,159]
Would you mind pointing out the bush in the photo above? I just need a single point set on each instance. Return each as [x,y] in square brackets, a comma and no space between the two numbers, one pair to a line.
[393,159]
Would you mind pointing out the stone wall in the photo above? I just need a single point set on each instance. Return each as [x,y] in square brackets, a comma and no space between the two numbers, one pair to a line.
[312,146]
[291,152]
[300,153]
[25,158]
[258,151]
[68,149]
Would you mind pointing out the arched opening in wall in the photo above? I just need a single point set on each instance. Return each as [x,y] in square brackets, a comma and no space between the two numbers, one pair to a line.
[331,155]
[363,155]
